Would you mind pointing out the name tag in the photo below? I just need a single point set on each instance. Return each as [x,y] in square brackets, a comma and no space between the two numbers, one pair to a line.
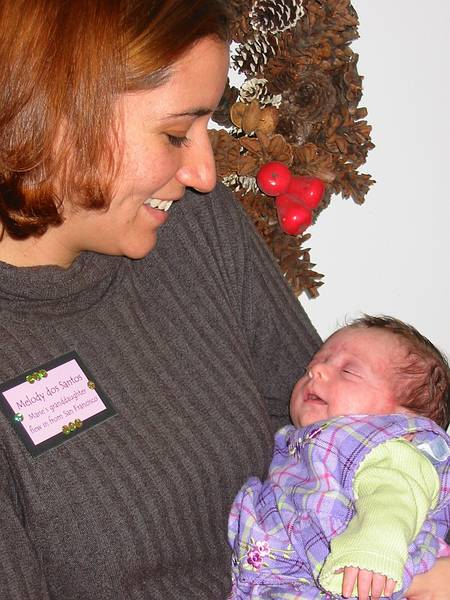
[54,402]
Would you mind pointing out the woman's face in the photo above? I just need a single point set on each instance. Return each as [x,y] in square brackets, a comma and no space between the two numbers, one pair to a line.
[165,148]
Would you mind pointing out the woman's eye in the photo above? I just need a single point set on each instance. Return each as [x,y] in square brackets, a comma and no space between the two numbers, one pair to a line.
[178,141]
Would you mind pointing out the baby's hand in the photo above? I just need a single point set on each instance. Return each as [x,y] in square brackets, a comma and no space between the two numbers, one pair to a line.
[369,584]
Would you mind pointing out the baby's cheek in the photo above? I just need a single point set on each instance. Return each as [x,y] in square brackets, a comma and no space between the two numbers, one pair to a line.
[296,406]
[293,407]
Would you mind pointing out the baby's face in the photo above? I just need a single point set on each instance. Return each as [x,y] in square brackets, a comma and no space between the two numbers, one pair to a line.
[353,373]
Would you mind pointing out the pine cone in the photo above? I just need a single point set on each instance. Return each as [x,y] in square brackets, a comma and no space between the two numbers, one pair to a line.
[296,132]
[353,82]
[236,8]
[256,89]
[252,56]
[352,184]
[275,16]
[309,102]
[281,73]
[241,30]
[241,184]
[261,211]
[295,262]
[348,137]
[311,160]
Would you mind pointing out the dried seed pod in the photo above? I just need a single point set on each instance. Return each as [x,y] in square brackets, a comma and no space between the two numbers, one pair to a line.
[248,165]
[280,150]
[268,120]
[253,145]
[251,116]
[237,113]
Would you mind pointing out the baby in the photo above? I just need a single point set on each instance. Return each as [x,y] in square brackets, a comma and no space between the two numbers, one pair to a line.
[357,499]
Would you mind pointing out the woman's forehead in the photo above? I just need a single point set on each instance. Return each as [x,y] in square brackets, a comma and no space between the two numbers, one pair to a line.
[194,85]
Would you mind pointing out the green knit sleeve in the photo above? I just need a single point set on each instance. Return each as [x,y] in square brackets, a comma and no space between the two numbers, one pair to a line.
[394,487]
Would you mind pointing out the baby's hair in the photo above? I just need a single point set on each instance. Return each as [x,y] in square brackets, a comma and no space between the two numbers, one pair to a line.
[426,374]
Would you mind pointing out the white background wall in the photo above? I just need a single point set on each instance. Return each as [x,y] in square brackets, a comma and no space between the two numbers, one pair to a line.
[391,255]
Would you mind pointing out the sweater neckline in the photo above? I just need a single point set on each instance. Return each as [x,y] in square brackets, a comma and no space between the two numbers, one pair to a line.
[53,290]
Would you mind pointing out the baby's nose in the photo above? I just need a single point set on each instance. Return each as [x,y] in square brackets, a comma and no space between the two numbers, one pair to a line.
[317,371]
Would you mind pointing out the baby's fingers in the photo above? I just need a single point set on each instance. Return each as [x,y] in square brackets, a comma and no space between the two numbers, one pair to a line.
[349,580]
[365,579]
[378,585]
[389,587]
[370,585]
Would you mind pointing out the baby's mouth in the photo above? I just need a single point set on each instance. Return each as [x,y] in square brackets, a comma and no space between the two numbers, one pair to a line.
[159,204]
[311,398]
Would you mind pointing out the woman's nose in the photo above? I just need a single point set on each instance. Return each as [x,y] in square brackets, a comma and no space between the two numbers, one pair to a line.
[198,169]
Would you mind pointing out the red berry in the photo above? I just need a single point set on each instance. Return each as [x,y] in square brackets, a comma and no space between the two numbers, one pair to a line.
[293,215]
[310,190]
[273,178]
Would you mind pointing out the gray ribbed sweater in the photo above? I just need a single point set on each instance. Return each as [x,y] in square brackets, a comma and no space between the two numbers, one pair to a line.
[192,345]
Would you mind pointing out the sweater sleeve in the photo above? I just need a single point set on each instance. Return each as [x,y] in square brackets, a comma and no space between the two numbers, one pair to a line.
[282,338]
[21,576]
[394,488]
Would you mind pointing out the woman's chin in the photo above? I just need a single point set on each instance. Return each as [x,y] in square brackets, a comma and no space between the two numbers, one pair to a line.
[137,253]
[132,248]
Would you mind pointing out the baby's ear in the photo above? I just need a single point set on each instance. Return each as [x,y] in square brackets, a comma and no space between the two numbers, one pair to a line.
[439,393]
[439,383]
[446,424]
[447,404]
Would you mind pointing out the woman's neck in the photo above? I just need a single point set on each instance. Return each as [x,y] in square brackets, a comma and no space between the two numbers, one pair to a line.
[36,251]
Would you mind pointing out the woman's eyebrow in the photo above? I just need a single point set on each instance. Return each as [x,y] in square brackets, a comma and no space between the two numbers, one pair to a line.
[195,112]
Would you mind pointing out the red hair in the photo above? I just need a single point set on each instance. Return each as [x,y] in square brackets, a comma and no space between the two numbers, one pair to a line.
[62,66]
[424,376]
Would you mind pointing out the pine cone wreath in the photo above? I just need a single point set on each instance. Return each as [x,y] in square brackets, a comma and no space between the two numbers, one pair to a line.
[299,104]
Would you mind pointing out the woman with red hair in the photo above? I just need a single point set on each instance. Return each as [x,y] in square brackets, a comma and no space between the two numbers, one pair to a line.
[146,357]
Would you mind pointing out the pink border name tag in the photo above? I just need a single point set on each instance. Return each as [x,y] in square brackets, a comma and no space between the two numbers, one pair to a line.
[53,403]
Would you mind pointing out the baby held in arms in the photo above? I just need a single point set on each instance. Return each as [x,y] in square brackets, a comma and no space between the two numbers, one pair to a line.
[357,499]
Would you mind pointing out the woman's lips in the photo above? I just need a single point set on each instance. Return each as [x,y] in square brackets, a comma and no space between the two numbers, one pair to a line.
[159,204]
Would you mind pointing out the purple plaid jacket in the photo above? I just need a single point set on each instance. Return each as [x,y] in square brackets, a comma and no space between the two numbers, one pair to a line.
[280,530]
